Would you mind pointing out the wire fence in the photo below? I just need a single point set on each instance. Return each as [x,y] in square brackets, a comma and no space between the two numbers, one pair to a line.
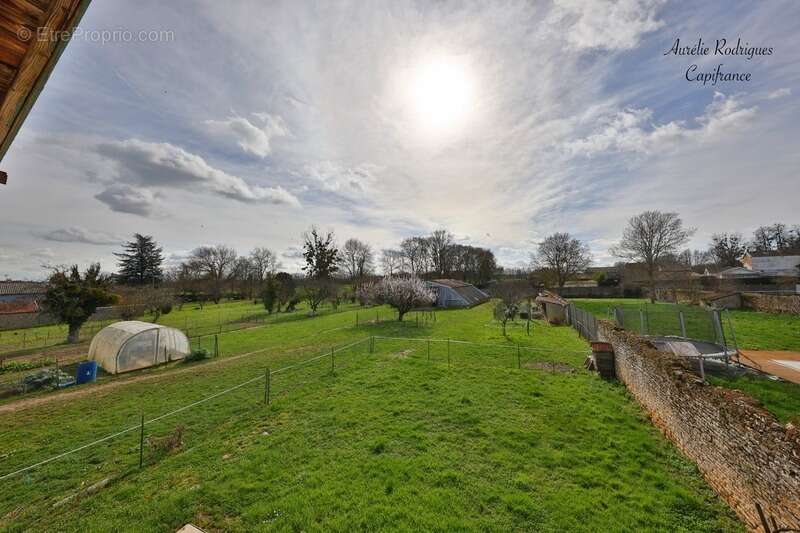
[667,320]
[145,441]
[584,322]
[23,374]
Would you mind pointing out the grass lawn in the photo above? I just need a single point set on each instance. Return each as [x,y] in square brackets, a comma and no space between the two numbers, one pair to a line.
[390,440]
[753,330]
[191,319]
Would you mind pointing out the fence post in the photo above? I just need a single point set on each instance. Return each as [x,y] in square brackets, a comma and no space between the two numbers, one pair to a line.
[641,322]
[377,317]
[682,320]
[416,315]
[702,370]
[519,358]
[717,319]
[356,318]
[141,443]
[216,346]
[331,359]
[266,386]
[448,352]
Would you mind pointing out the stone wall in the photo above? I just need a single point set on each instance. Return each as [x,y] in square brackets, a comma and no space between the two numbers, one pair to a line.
[588,292]
[744,453]
[29,320]
[772,303]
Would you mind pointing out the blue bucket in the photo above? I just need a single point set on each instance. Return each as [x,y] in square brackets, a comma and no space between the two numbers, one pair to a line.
[87,372]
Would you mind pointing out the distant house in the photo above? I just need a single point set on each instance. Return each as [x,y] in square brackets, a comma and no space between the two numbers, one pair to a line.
[454,293]
[21,296]
[772,264]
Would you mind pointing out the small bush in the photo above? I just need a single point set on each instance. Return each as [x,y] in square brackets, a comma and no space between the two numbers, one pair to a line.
[292,305]
[198,354]
[127,312]
[166,309]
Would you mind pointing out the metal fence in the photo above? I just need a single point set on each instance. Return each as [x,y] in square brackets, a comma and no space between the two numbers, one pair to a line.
[686,321]
[115,452]
[584,322]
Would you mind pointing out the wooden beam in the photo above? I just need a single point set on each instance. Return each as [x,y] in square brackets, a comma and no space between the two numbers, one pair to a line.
[36,66]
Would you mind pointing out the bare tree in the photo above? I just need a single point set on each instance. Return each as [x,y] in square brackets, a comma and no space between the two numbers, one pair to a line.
[415,253]
[216,263]
[693,258]
[440,248]
[356,259]
[650,237]
[265,263]
[392,262]
[727,249]
[563,255]
[510,293]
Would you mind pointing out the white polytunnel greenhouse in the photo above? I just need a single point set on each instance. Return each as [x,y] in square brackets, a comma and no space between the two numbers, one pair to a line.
[131,345]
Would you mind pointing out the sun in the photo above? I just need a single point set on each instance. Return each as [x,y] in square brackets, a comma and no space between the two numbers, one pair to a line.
[442,93]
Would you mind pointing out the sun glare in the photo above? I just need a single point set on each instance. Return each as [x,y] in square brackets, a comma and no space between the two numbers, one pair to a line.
[442,93]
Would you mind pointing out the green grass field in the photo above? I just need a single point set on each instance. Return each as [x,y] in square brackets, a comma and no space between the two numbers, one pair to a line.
[753,330]
[191,319]
[390,440]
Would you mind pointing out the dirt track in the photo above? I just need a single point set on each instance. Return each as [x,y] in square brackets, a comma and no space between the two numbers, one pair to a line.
[768,361]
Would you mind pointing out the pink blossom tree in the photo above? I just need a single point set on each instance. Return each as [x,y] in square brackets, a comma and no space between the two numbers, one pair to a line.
[403,294]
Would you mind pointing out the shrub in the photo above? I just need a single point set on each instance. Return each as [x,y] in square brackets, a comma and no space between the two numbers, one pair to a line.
[128,312]
[292,305]
[269,295]
[198,354]
[166,308]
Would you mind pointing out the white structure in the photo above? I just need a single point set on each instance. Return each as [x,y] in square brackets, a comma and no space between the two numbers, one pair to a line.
[126,346]
[772,265]
[454,293]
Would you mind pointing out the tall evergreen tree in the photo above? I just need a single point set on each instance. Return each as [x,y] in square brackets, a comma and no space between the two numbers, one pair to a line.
[140,262]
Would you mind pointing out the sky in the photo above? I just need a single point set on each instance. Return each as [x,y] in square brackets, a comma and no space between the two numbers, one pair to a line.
[247,122]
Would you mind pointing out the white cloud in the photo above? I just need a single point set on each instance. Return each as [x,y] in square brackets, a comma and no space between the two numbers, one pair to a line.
[607,25]
[166,165]
[254,139]
[631,130]
[78,234]
[333,177]
[779,93]
[126,199]
[293,252]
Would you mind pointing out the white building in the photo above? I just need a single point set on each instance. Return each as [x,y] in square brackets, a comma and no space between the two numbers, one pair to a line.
[772,265]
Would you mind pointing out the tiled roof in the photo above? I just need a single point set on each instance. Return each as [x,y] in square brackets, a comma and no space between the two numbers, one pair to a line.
[13,288]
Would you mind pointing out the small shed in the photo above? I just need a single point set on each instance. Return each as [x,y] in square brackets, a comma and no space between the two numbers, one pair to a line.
[454,293]
[131,345]
[554,307]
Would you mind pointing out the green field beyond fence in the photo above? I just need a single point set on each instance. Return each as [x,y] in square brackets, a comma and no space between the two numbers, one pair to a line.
[329,425]
[752,329]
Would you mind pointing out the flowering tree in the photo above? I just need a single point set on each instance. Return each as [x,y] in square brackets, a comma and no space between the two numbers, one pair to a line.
[404,294]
